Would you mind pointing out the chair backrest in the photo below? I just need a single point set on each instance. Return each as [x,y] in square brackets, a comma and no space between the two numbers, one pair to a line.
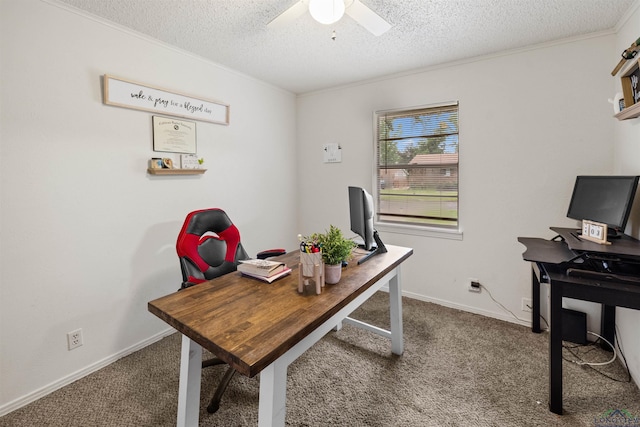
[208,246]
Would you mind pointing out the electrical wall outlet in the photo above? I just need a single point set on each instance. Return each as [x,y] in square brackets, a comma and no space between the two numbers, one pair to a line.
[474,285]
[74,339]
[526,304]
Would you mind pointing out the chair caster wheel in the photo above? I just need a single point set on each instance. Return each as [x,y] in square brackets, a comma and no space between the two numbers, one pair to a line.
[213,408]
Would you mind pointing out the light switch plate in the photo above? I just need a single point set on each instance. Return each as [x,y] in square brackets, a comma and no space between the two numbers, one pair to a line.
[332,153]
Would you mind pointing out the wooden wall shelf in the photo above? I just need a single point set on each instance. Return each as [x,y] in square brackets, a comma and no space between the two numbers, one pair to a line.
[153,171]
[629,113]
[630,91]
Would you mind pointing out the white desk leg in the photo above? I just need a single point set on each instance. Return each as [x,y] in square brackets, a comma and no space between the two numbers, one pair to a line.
[273,394]
[395,309]
[189,387]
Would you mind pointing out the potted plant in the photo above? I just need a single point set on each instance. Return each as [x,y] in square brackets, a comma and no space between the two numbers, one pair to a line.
[335,249]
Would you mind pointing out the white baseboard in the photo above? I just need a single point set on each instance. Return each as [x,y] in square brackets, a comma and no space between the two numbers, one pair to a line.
[50,388]
[445,303]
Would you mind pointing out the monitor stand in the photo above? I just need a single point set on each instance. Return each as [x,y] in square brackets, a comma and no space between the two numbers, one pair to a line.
[380,249]
[612,233]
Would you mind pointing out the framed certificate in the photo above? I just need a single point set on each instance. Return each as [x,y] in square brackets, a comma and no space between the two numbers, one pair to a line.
[174,135]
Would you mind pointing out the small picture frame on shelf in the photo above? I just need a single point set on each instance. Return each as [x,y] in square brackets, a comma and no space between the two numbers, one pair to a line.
[189,161]
[155,163]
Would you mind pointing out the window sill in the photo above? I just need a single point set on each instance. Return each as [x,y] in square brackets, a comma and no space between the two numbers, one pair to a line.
[441,233]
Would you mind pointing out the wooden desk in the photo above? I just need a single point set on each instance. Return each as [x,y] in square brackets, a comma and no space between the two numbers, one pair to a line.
[550,261]
[260,327]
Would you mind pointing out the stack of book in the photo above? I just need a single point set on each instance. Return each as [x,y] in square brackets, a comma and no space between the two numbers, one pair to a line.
[263,269]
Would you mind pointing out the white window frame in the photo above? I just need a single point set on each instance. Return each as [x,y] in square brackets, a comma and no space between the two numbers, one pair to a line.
[453,233]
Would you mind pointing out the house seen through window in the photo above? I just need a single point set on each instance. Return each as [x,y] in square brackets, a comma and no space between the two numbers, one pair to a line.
[417,166]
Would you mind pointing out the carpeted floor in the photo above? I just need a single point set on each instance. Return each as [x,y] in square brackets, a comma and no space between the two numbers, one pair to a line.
[458,369]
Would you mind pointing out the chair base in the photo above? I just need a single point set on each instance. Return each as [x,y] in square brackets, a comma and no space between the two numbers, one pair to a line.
[214,404]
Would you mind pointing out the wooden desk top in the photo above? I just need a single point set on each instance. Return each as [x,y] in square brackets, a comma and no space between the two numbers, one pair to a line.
[249,323]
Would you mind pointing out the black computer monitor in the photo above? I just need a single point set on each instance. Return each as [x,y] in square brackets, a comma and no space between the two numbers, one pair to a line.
[605,199]
[361,212]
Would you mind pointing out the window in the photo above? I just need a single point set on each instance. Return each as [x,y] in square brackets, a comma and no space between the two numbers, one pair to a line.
[417,166]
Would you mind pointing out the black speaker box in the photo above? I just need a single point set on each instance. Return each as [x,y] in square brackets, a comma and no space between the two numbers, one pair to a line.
[574,326]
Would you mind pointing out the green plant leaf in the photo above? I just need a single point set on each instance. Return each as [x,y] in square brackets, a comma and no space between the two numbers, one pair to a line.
[335,247]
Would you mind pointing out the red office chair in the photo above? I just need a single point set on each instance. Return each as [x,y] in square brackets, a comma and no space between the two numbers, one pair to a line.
[209,246]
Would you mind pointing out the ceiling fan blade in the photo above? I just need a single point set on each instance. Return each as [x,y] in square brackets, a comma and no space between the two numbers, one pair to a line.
[289,15]
[367,18]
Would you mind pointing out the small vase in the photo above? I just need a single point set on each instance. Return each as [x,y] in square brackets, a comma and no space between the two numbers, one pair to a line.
[332,273]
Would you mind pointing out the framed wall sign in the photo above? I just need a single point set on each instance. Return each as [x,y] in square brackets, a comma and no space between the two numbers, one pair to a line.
[174,135]
[138,96]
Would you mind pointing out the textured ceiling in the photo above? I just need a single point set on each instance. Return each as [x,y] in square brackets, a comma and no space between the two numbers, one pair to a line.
[302,57]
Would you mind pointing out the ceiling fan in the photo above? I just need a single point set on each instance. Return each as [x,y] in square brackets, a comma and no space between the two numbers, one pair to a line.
[330,11]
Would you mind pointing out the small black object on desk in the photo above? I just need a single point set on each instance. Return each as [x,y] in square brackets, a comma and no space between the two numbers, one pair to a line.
[584,270]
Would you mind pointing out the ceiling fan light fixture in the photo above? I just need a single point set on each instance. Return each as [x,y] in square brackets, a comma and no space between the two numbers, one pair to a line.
[326,11]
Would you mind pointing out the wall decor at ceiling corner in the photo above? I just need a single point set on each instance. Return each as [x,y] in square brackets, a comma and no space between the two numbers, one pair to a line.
[125,93]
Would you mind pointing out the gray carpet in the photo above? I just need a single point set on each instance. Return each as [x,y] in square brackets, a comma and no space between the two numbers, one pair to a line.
[458,369]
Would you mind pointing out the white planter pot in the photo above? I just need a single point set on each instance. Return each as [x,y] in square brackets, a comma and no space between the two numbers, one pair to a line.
[332,273]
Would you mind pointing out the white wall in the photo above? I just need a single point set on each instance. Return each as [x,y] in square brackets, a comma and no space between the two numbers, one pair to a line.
[626,138]
[530,121]
[87,236]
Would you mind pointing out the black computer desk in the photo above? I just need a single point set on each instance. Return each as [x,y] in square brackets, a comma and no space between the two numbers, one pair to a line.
[580,269]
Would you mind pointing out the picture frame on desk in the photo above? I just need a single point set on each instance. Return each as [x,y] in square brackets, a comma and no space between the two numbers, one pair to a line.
[594,232]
